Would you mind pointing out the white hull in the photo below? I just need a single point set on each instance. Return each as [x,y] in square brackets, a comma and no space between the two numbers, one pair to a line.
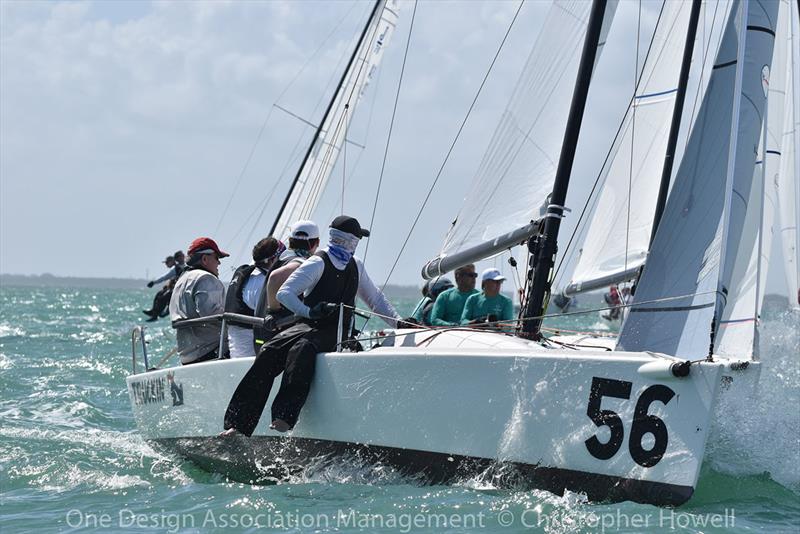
[456,405]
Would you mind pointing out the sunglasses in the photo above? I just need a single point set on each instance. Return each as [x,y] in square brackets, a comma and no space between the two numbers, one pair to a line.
[469,275]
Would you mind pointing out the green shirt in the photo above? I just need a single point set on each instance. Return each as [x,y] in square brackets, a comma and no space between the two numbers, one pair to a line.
[479,306]
[448,307]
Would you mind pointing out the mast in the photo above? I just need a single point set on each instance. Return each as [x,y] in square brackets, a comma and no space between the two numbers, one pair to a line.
[317,132]
[539,292]
[677,112]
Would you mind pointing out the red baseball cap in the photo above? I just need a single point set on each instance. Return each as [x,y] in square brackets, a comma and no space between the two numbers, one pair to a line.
[205,245]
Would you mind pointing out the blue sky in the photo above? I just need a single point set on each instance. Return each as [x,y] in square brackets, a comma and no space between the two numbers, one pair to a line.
[125,126]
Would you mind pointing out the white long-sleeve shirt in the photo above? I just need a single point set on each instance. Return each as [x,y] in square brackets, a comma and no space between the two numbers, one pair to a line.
[305,277]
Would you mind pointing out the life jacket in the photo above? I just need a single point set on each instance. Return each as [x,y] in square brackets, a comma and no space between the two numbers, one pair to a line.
[234,300]
[334,287]
[260,334]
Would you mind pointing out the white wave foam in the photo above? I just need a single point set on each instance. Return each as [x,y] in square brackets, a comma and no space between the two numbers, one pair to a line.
[760,433]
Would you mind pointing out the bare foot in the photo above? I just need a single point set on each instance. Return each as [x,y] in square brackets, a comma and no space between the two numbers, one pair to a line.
[279,425]
[230,433]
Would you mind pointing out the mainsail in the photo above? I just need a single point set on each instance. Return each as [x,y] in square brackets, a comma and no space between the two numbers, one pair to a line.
[738,329]
[685,283]
[312,177]
[616,235]
[517,171]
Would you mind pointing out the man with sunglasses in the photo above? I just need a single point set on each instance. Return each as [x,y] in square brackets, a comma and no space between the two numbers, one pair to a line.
[449,304]
[199,293]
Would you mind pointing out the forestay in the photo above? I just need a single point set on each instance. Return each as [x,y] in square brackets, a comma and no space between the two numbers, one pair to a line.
[517,171]
[314,174]
[685,281]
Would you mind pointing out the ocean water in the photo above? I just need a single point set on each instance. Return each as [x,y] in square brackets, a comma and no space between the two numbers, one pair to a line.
[72,460]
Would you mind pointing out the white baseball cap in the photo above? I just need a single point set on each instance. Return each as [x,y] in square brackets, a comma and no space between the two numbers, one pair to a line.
[492,274]
[304,230]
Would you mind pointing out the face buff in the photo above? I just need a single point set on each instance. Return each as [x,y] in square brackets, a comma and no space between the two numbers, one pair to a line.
[341,245]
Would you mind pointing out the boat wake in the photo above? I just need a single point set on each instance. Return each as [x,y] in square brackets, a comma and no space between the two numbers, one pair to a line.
[760,434]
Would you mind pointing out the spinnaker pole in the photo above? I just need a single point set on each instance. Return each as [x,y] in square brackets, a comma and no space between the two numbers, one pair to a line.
[677,112]
[539,293]
[375,12]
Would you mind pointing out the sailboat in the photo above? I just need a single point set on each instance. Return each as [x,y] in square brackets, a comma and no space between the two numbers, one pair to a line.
[626,419]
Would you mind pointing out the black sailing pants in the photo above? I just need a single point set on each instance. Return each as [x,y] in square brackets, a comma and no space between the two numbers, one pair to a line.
[161,301]
[293,352]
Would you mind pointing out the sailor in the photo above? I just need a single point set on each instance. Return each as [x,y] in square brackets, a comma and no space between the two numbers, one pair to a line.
[161,298]
[430,291]
[488,306]
[303,242]
[199,293]
[614,301]
[449,305]
[244,290]
[331,277]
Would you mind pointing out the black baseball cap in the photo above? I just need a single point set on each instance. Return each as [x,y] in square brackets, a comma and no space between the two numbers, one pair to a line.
[350,225]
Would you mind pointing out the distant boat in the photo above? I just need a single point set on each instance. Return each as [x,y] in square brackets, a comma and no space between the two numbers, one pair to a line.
[616,419]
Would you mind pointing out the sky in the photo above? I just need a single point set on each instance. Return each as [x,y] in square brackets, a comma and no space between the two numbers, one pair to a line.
[127,127]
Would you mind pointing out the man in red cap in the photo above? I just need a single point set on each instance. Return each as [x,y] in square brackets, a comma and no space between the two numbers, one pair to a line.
[199,293]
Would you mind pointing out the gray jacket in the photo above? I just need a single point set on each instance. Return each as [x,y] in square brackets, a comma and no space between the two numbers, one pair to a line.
[197,293]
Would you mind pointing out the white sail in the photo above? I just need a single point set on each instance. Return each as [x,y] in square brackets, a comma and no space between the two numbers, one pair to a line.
[738,328]
[317,169]
[615,237]
[684,281]
[789,197]
[518,169]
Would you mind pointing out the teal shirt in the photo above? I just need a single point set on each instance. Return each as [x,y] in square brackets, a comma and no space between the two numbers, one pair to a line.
[449,306]
[479,306]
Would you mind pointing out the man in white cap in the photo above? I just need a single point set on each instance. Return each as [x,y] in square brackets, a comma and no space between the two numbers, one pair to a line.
[489,305]
[303,242]
[331,277]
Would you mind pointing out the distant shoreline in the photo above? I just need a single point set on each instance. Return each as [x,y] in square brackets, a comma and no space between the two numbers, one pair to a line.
[50,280]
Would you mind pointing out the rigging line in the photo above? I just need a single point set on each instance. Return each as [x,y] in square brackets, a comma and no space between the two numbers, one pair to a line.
[391,128]
[589,200]
[450,150]
[697,99]
[511,157]
[366,137]
[309,123]
[293,154]
[344,160]
[269,114]
[634,307]
[633,143]
[296,152]
[356,80]
[455,140]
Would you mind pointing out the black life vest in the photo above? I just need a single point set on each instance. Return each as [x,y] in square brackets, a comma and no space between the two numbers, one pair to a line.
[234,300]
[334,287]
